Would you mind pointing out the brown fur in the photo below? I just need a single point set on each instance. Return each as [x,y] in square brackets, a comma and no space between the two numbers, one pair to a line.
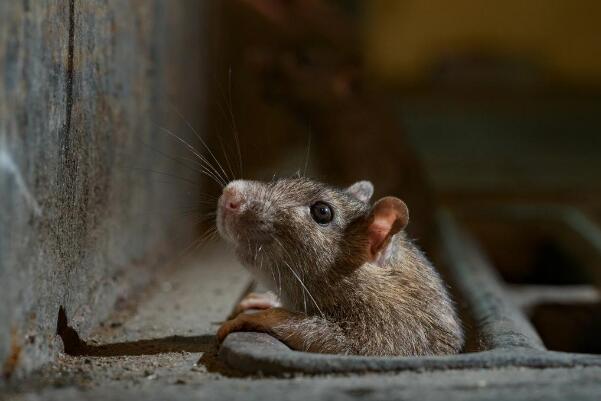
[336,298]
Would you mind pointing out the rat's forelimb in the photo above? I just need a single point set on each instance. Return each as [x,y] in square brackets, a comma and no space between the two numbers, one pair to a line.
[297,330]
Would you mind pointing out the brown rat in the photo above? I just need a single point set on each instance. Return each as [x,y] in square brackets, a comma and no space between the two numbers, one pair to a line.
[348,279]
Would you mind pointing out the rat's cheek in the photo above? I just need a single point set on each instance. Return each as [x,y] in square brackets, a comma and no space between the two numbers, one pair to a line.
[220,224]
[225,227]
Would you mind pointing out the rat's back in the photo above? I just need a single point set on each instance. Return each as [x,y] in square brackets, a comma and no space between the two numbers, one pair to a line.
[398,308]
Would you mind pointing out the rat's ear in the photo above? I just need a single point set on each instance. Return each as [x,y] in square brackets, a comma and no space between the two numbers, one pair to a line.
[362,190]
[388,216]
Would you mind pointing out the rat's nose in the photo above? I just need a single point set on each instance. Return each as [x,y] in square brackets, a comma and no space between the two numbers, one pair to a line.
[232,199]
[233,204]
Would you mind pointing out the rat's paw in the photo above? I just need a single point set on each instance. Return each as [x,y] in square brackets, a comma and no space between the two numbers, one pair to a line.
[263,321]
[228,327]
[255,300]
[243,322]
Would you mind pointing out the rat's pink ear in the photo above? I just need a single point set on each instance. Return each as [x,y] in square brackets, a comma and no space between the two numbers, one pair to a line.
[362,190]
[388,216]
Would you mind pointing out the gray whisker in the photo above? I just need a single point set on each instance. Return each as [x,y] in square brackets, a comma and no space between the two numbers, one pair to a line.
[202,142]
[208,169]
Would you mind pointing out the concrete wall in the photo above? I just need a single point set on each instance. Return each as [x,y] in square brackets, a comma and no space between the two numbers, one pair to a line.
[84,88]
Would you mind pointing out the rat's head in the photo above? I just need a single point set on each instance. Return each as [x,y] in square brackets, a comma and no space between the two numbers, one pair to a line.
[305,226]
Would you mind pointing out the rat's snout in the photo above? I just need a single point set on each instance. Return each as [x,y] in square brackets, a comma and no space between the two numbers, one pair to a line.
[233,204]
[233,199]
[240,216]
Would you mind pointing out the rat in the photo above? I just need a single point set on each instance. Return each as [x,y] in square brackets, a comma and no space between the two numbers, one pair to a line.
[344,277]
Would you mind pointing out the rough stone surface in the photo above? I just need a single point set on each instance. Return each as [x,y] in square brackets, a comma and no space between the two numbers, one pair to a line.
[501,384]
[84,85]
[143,360]
[164,335]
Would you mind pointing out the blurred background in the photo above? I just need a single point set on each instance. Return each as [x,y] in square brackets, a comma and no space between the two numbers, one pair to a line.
[487,109]
[492,102]
[490,110]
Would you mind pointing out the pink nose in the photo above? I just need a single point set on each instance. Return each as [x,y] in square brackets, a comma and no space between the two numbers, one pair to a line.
[232,200]
[233,204]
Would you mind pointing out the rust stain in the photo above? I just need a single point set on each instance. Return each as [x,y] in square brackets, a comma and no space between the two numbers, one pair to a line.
[10,364]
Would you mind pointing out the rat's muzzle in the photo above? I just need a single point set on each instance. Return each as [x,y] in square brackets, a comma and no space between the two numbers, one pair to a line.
[240,217]
[230,206]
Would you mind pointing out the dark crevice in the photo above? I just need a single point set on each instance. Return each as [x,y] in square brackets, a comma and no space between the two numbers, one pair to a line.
[67,169]
[75,346]
[65,132]
[72,343]
[569,327]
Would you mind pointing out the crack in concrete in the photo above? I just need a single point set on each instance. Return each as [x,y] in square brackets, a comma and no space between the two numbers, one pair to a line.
[69,72]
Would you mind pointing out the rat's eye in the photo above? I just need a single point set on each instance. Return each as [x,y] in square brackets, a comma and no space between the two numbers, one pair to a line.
[322,213]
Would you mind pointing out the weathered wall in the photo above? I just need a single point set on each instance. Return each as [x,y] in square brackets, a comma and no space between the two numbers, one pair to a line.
[84,88]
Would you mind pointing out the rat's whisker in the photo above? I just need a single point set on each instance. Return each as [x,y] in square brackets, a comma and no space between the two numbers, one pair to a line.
[280,283]
[255,255]
[289,257]
[230,121]
[307,155]
[175,176]
[214,173]
[235,128]
[198,163]
[173,158]
[202,142]
[305,288]
[205,217]
[229,117]
[184,212]
[224,148]
[227,159]
[206,237]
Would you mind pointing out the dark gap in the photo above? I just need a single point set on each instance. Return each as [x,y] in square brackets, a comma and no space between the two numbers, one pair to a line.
[473,338]
[530,252]
[569,327]
[72,343]
[75,346]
